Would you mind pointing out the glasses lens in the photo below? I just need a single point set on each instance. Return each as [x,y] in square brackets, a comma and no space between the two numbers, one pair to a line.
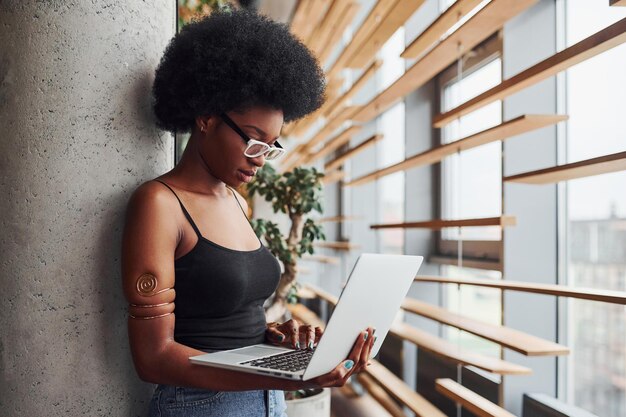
[256,149]
[274,153]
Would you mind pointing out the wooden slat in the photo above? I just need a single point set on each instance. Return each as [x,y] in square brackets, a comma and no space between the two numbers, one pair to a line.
[468,399]
[373,19]
[333,89]
[438,346]
[339,219]
[335,163]
[322,34]
[345,19]
[453,352]
[401,11]
[517,126]
[307,16]
[587,168]
[513,339]
[490,19]
[380,395]
[334,143]
[303,314]
[595,44]
[355,88]
[607,296]
[486,264]
[337,245]
[344,115]
[333,260]
[501,221]
[618,3]
[324,295]
[360,406]
[439,27]
[333,176]
[402,392]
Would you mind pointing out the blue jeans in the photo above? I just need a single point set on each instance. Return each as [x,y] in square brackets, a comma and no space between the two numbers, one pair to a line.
[171,401]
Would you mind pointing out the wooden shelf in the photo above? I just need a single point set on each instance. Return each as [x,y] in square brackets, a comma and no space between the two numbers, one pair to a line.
[337,245]
[476,263]
[513,339]
[469,400]
[401,391]
[501,221]
[380,395]
[324,295]
[399,13]
[339,219]
[595,166]
[487,21]
[452,352]
[335,163]
[333,177]
[607,296]
[332,27]
[298,128]
[307,16]
[334,143]
[364,34]
[391,383]
[303,314]
[333,260]
[439,27]
[355,88]
[517,126]
[343,115]
[438,346]
[595,44]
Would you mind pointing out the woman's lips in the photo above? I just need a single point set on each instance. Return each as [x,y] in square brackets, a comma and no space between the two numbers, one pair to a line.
[245,176]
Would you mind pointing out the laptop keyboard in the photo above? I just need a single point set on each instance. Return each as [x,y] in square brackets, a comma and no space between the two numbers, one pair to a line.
[292,361]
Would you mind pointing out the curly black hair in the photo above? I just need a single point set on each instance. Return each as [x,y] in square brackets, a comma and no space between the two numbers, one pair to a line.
[232,60]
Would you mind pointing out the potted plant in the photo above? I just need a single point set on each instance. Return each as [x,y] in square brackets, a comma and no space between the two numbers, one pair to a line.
[296,194]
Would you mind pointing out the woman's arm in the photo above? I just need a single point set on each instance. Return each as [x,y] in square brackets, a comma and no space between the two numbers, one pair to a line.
[151,236]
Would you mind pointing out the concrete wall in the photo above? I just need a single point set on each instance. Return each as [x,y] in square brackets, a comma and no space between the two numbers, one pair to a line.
[77,138]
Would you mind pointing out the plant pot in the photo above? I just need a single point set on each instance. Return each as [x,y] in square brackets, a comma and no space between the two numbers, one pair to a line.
[317,405]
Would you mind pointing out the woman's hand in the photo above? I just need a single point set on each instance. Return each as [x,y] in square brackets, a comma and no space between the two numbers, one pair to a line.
[357,361]
[293,334]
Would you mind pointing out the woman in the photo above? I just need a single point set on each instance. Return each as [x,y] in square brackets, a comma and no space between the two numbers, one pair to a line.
[231,79]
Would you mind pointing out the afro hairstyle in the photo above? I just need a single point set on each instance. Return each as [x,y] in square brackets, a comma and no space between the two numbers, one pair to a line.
[233,60]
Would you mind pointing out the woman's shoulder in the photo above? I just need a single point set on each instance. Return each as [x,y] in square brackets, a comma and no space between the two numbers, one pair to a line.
[153,196]
[240,198]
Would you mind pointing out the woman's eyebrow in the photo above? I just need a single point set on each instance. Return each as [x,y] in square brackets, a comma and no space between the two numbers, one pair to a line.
[260,132]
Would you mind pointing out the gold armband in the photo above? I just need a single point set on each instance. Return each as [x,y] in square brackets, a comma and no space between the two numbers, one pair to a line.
[163,304]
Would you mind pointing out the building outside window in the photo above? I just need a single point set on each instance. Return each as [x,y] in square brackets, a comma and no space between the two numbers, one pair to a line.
[595,230]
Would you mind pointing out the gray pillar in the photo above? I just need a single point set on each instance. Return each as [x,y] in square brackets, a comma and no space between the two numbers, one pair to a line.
[77,136]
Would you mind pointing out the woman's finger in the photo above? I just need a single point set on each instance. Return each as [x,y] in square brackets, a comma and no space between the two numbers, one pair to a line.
[310,342]
[318,334]
[274,335]
[365,352]
[294,333]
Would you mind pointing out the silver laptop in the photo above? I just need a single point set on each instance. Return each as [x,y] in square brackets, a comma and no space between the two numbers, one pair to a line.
[371,298]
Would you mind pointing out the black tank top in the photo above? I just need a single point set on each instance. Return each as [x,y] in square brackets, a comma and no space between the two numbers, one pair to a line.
[220,293]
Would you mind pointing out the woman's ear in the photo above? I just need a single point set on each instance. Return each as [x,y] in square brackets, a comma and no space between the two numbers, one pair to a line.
[206,124]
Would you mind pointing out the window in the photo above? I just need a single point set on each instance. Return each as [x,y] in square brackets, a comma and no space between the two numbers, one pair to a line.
[595,233]
[471,187]
[390,150]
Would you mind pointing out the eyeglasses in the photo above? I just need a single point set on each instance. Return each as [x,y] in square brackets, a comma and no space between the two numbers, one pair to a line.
[255,148]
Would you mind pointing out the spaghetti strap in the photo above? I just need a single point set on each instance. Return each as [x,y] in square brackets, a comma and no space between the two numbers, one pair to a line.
[236,199]
[185,212]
